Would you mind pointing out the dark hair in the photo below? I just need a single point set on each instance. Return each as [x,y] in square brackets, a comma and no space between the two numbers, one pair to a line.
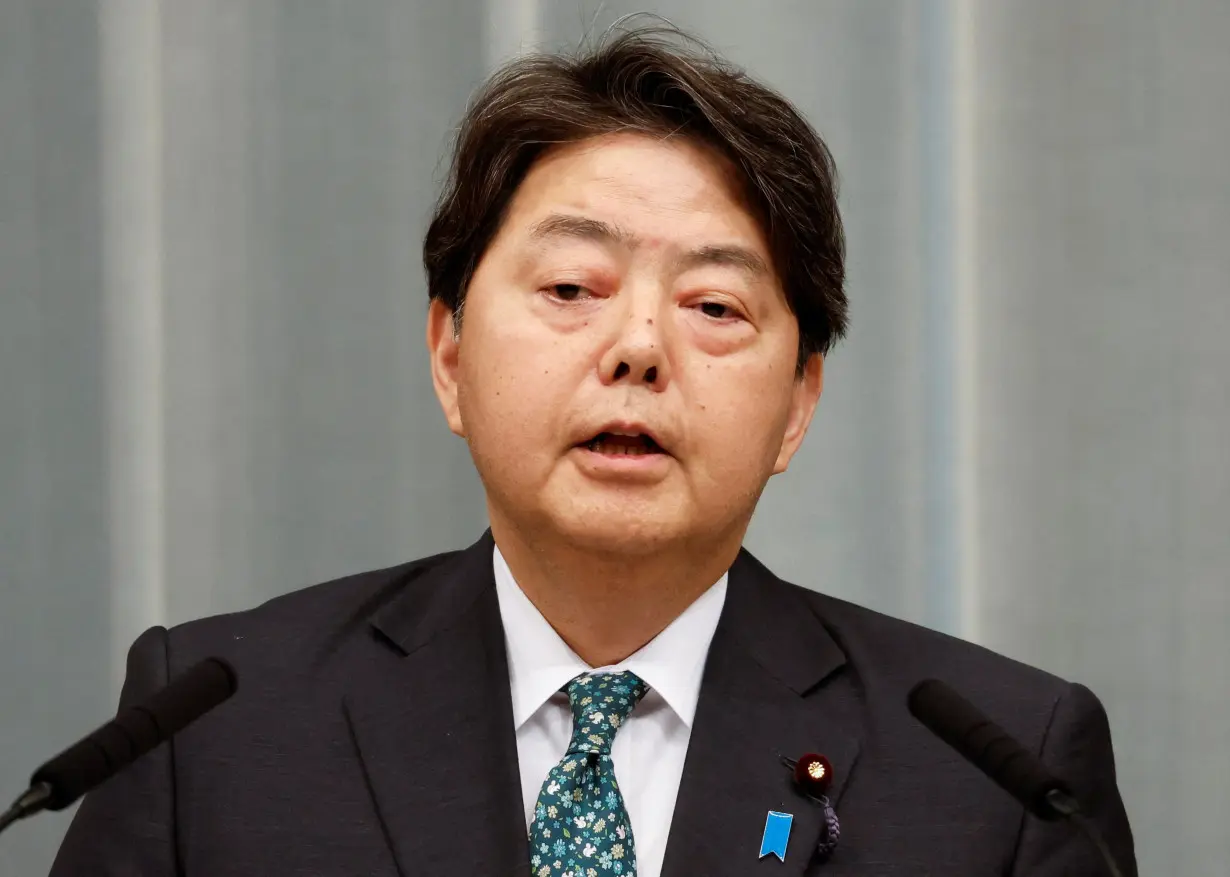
[660,82]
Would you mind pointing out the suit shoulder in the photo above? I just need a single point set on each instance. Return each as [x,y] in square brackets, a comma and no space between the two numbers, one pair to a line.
[300,621]
[901,653]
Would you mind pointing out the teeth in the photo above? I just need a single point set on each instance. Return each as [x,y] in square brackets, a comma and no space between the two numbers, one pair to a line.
[617,450]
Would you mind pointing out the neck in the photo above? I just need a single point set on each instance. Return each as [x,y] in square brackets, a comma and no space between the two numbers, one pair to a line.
[608,604]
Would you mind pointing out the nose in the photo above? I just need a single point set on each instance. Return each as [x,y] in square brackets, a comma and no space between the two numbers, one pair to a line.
[637,355]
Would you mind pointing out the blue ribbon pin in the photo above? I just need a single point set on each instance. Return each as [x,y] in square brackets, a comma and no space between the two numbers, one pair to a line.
[776,835]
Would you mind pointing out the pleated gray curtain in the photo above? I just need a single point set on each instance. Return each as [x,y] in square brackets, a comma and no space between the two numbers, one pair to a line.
[213,387]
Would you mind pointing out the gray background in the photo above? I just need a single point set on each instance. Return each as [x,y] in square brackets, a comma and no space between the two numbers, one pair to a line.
[213,387]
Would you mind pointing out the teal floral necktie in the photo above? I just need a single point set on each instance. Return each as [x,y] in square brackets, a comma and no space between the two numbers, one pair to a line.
[581,826]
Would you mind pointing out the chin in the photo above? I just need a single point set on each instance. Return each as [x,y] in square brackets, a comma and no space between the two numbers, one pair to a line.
[628,534]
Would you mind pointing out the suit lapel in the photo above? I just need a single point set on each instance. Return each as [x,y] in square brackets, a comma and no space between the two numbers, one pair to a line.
[773,686]
[434,728]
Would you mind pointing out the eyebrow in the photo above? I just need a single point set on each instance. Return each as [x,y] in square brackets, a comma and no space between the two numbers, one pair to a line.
[742,258]
[562,225]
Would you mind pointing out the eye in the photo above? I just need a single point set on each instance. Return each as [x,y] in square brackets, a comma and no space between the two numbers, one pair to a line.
[567,291]
[718,311]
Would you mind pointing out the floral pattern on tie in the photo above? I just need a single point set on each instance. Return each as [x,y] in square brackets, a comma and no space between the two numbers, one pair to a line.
[581,826]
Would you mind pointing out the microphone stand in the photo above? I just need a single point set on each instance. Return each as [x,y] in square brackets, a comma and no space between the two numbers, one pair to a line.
[1065,805]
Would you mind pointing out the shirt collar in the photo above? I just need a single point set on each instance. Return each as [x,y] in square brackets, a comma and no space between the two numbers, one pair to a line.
[540,663]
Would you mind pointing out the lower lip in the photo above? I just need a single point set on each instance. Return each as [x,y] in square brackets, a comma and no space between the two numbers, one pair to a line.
[628,465]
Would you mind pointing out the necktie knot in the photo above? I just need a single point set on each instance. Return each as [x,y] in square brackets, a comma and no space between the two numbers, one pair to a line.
[600,704]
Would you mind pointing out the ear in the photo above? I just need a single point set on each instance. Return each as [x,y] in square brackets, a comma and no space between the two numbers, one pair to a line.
[445,351]
[804,396]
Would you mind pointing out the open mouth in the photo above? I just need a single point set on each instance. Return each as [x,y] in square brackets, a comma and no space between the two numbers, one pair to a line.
[613,445]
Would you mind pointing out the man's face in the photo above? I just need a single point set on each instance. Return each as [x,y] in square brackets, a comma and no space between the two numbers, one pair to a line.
[625,373]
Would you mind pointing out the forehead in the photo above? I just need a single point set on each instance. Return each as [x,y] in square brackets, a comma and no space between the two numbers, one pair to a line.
[668,191]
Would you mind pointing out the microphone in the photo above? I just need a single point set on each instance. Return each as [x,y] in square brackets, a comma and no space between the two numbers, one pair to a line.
[132,733]
[996,753]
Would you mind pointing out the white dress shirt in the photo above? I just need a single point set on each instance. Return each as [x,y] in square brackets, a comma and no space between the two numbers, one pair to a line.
[649,750]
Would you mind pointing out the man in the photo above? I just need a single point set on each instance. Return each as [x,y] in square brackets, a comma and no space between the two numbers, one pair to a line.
[635,272]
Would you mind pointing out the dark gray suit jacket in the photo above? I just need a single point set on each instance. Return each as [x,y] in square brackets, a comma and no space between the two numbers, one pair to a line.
[372,734]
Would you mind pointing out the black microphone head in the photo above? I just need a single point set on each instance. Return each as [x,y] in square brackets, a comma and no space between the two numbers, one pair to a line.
[984,744]
[135,731]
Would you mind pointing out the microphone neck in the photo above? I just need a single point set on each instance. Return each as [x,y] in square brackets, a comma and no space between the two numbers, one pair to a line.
[35,798]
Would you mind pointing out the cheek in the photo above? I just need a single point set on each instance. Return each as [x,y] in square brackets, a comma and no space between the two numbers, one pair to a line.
[510,398]
[741,416]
